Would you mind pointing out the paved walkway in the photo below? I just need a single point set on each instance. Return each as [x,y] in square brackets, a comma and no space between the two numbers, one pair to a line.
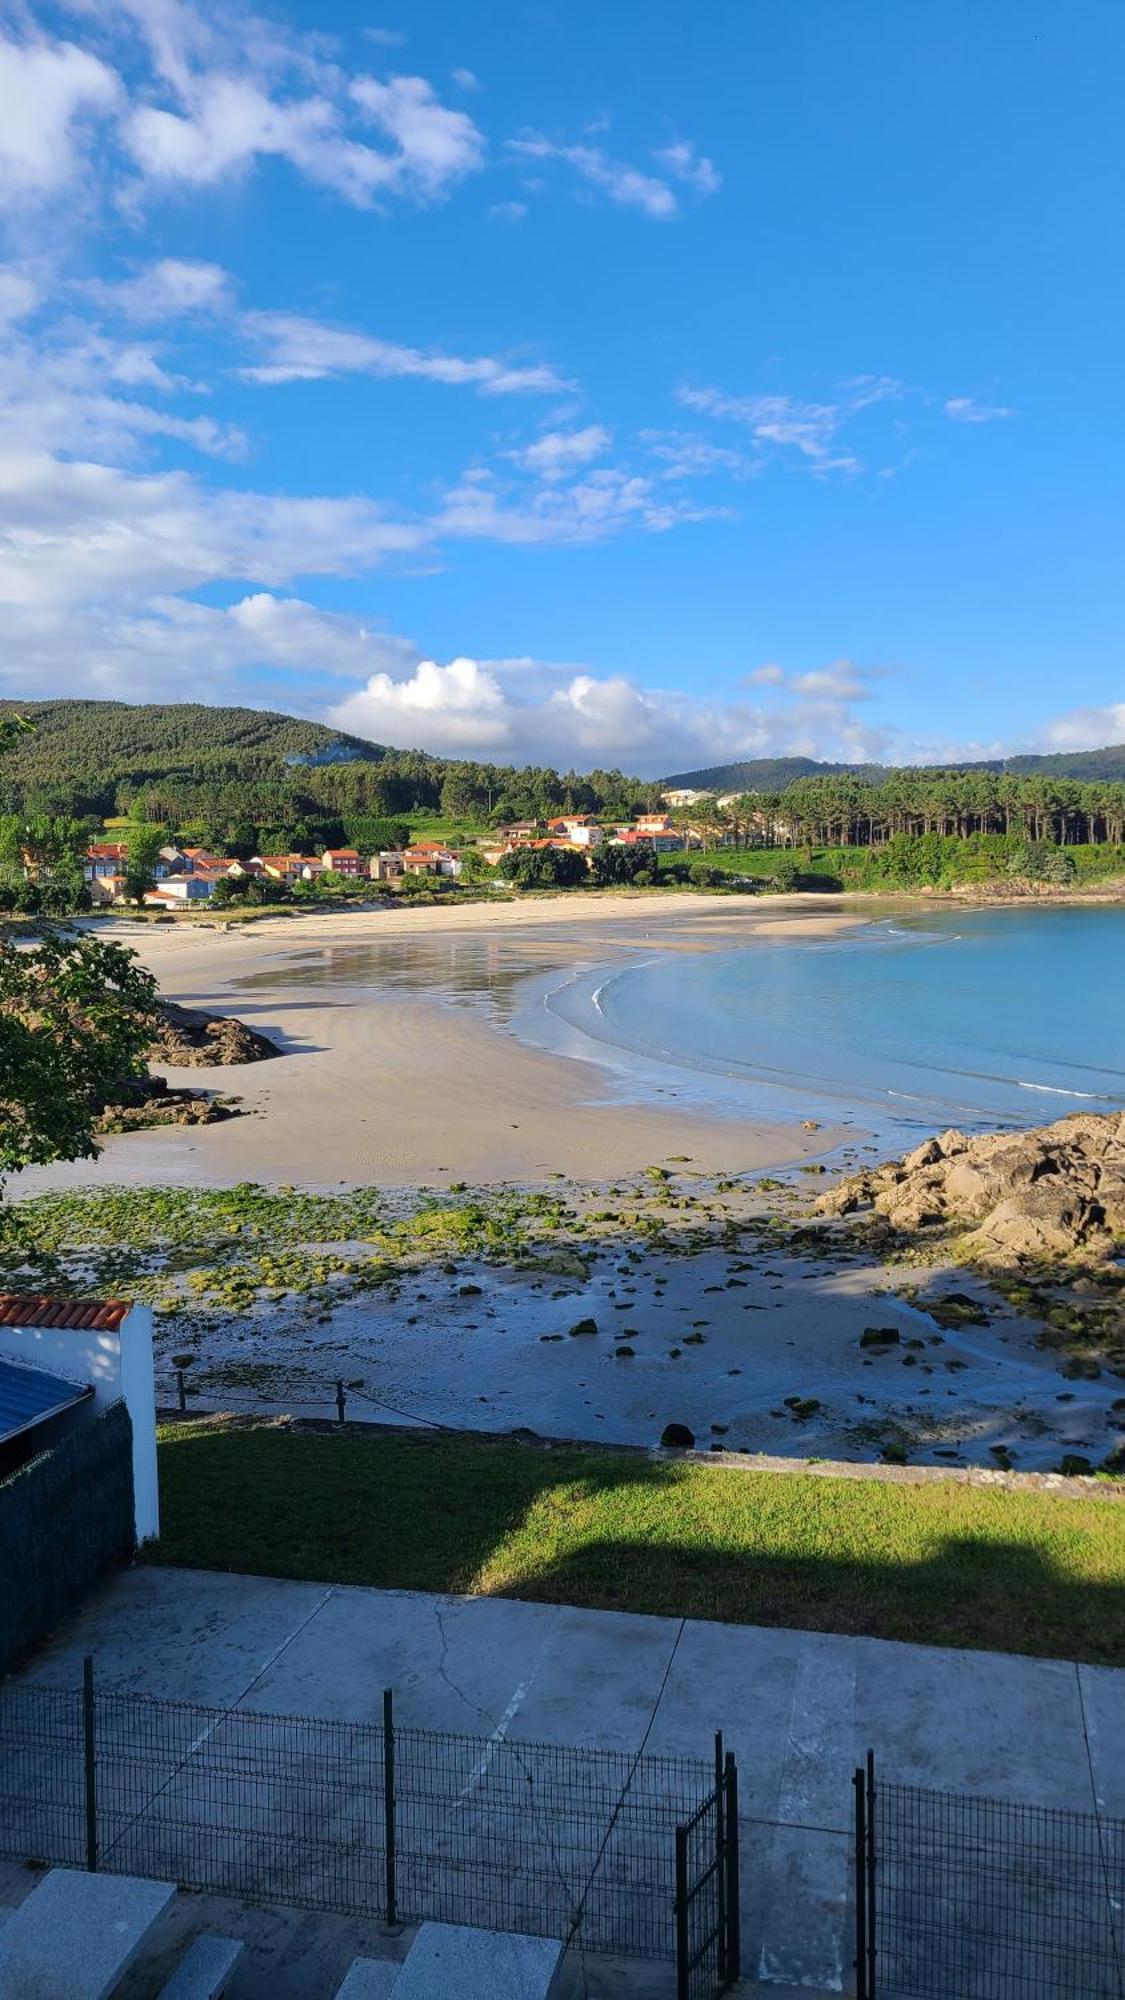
[799,1709]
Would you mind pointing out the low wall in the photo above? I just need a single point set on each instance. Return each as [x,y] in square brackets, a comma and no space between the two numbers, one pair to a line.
[64,1518]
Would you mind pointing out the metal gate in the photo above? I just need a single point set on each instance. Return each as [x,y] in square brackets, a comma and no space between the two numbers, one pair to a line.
[708,1944]
[987,1899]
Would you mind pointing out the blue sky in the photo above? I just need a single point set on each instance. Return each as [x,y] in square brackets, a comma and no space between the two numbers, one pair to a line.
[648,384]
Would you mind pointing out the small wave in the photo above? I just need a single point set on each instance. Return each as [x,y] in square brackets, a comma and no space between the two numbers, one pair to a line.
[1056,1090]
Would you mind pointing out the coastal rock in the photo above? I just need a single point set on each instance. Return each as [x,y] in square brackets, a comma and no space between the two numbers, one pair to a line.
[677,1437]
[189,1038]
[1035,1196]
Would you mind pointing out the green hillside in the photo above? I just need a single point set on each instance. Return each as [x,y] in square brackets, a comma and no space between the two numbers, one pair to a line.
[776,774]
[91,745]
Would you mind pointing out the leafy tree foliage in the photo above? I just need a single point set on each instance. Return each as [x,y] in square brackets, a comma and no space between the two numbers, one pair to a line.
[544,868]
[75,1018]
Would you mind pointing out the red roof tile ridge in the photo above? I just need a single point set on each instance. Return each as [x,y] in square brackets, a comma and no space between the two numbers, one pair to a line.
[40,1309]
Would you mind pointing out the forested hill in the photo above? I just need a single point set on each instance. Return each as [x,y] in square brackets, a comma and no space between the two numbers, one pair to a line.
[244,777]
[92,745]
[775,774]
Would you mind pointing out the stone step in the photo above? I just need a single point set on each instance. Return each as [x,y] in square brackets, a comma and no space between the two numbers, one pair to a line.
[370,1979]
[204,1971]
[76,1935]
[448,1959]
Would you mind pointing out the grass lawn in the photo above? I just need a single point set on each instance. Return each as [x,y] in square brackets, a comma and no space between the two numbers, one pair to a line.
[942,1564]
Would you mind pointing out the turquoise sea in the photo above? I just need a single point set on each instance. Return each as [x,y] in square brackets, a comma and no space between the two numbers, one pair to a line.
[969,1017]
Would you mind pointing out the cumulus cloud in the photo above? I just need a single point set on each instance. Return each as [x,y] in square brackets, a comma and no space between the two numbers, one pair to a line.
[1086,728]
[625,185]
[51,92]
[296,349]
[507,211]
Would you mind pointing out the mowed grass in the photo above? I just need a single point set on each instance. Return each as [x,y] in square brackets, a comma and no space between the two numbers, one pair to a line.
[941,1564]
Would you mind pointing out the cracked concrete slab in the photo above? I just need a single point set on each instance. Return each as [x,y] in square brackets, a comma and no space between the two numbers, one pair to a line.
[798,1709]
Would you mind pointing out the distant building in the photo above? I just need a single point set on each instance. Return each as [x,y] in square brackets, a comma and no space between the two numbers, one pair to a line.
[342,860]
[685,796]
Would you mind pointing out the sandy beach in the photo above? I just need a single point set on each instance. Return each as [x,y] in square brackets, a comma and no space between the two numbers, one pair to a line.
[395,1085]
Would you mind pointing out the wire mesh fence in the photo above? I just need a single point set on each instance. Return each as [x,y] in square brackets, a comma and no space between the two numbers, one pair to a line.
[989,1899]
[364,1818]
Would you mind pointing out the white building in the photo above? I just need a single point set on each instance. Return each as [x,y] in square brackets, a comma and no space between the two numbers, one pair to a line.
[66,1360]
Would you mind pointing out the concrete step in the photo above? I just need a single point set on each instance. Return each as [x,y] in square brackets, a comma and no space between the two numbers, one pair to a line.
[450,1959]
[204,1972]
[370,1979]
[76,1935]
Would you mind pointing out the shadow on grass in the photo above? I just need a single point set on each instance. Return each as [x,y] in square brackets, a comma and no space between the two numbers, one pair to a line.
[936,1564]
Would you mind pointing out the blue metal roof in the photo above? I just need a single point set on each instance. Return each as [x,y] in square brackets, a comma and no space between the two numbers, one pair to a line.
[28,1395]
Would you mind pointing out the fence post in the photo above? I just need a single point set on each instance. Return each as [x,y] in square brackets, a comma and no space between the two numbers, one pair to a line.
[389,1805]
[683,1956]
[340,1402]
[871,1903]
[859,1860]
[89,1754]
[733,1887]
[721,1858]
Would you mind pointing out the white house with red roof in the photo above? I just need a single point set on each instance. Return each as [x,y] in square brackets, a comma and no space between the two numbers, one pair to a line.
[63,1361]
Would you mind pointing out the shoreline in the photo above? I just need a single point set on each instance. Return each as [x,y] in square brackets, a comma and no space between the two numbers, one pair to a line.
[374,1088]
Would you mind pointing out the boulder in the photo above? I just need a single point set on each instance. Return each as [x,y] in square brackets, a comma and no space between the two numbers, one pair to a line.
[189,1038]
[677,1437]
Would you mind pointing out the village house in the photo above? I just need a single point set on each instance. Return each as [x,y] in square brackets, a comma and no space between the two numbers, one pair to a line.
[289,867]
[386,866]
[429,857]
[343,860]
[105,858]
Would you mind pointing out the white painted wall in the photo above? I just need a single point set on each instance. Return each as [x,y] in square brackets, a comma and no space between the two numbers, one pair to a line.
[119,1367]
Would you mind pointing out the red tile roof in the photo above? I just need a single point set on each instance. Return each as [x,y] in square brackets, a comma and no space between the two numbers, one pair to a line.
[86,1315]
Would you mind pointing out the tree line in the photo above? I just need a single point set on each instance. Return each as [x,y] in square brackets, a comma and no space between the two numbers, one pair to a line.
[842,811]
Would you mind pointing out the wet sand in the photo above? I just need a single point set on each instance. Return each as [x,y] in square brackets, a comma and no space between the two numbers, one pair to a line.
[390,1081]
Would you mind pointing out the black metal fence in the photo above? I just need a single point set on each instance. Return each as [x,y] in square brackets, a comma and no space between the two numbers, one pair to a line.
[985,1898]
[400,1824]
[708,1930]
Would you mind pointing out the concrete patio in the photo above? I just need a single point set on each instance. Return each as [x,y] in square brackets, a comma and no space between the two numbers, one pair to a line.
[799,1710]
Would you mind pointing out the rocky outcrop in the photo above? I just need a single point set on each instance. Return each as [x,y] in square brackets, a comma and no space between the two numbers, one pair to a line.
[187,1038]
[144,1101]
[1035,1196]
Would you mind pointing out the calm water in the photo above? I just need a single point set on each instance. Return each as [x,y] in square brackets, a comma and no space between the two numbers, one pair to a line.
[969,1017]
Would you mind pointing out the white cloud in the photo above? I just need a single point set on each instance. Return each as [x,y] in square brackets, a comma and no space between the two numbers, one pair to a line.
[685,455]
[557,453]
[507,211]
[169,288]
[436,708]
[1085,728]
[623,184]
[76,532]
[786,423]
[966,410]
[808,428]
[603,502]
[49,92]
[436,146]
[306,350]
[684,164]
[19,295]
[769,675]
[465,79]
